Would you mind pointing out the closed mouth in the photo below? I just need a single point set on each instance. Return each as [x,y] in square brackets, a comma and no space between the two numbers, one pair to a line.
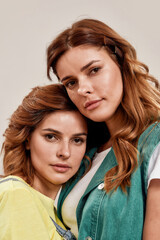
[60,167]
[92,104]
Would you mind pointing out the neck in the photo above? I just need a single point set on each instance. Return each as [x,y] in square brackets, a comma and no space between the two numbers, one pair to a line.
[45,187]
[105,146]
[114,123]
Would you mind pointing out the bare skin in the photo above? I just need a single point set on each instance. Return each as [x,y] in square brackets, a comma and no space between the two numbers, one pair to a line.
[151,229]
[94,83]
[57,147]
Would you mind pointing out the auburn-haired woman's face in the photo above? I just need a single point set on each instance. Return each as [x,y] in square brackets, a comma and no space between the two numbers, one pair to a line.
[57,147]
[93,81]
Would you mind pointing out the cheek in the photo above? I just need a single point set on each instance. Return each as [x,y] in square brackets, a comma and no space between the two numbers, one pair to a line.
[79,154]
[118,88]
[73,96]
[36,148]
[118,79]
[40,152]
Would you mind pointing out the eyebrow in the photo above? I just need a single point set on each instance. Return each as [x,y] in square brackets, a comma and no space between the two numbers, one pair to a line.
[82,69]
[88,65]
[60,133]
[51,130]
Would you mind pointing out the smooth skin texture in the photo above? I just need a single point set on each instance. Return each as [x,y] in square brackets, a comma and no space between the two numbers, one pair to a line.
[152,219]
[57,147]
[94,84]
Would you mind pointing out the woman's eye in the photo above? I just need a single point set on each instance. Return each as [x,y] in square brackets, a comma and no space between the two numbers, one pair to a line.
[94,70]
[70,84]
[79,140]
[50,137]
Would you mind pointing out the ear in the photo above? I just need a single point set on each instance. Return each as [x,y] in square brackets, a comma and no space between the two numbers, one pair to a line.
[27,143]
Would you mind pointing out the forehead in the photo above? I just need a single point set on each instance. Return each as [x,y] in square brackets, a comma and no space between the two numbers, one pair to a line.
[80,50]
[79,56]
[61,119]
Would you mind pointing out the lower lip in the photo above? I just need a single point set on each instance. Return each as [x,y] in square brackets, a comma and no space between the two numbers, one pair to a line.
[94,105]
[60,169]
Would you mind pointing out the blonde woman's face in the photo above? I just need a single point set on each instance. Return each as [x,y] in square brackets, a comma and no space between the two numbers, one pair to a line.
[93,81]
[57,147]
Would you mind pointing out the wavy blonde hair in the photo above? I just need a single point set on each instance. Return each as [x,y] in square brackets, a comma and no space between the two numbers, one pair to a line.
[140,105]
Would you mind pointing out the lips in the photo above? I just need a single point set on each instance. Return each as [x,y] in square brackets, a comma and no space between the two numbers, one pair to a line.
[90,105]
[61,168]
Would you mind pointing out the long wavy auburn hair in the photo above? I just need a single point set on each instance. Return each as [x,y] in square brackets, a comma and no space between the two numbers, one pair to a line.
[140,105]
[40,102]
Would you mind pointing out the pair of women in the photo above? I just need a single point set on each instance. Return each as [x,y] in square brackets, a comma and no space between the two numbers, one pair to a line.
[119,197]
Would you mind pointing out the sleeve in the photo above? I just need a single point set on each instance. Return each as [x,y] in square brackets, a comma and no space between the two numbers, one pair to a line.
[154,165]
[20,217]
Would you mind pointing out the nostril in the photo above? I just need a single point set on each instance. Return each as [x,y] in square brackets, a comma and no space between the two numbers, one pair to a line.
[83,91]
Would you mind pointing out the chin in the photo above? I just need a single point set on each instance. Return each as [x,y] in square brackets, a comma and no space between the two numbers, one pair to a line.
[60,182]
[97,118]
[100,116]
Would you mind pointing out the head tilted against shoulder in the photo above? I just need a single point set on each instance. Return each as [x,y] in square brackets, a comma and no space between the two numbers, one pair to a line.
[140,99]
[39,103]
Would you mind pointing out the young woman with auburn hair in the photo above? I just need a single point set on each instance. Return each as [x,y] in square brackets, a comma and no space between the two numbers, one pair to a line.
[44,144]
[107,83]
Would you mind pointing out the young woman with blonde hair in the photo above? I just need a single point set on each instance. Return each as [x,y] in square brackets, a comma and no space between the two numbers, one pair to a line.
[107,83]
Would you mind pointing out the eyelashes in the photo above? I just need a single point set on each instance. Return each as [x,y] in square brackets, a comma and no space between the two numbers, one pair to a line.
[71,83]
[53,138]
[94,70]
[79,141]
[50,137]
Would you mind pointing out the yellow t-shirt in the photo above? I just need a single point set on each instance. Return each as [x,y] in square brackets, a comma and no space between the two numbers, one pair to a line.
[25,213]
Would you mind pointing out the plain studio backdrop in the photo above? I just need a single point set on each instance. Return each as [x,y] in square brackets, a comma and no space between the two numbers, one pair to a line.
[28,26]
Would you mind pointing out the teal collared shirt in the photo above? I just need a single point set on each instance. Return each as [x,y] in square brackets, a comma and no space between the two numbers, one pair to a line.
[102,216]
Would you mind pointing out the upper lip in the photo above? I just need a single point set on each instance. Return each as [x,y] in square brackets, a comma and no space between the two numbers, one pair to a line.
[60,165]
[88,103]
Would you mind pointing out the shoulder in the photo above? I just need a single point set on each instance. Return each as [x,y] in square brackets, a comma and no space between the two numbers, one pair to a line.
[12,182]
[14,186]
[148,143]
[150,137]
[152,130]
[18,196]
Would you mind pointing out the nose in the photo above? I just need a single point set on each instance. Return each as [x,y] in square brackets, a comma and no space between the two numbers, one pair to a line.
[85,87]
[63,151]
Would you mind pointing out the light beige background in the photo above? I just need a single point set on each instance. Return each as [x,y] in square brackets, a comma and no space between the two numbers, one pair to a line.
[28,26]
